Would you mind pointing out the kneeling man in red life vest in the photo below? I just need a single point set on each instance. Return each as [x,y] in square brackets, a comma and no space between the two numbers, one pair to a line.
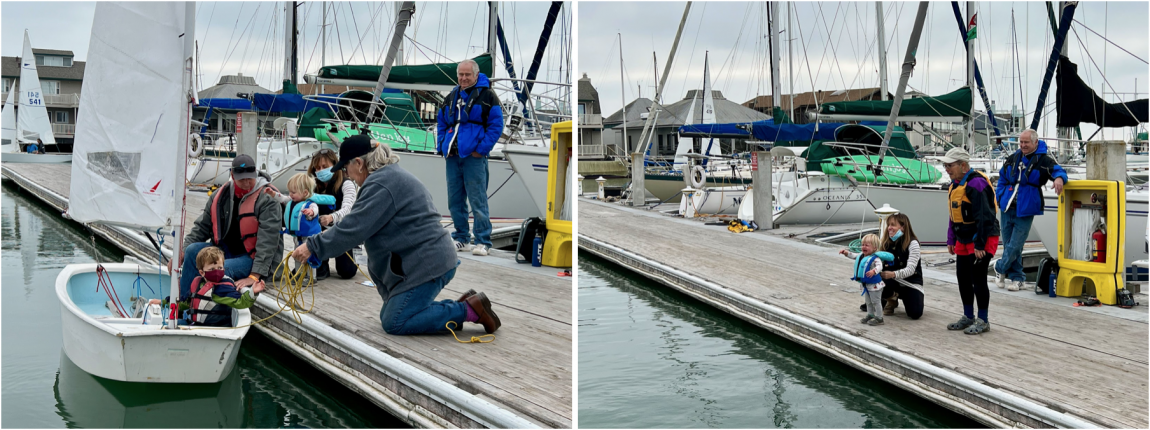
[244,222]
[214,295]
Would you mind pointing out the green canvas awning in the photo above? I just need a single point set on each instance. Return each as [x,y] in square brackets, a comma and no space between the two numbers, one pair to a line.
[427,74]
[946,107]
[899,145]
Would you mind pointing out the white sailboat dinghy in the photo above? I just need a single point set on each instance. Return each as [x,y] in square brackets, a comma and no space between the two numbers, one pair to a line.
[128,170]
[31,121]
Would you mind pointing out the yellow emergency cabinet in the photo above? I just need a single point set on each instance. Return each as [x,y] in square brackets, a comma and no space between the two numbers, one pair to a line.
[1092,214]
[557,246]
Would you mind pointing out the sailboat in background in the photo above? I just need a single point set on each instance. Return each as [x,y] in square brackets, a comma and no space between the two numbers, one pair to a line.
[8,119]
[31,122]
[130,161]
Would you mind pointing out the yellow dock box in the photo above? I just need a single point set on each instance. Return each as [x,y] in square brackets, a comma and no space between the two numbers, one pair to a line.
[557,246]
[1091,229]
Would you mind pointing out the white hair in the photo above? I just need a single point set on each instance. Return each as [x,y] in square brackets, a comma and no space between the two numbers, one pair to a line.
[379,157]
[474,65]
[1033,134]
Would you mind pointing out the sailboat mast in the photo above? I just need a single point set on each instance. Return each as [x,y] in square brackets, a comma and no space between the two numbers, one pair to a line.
[790,60]
[493,18]
[969,79]
[903,78]
[181,167]
[882,73]
[401,21]
[1064,132]
[623,94]
[323,43]
[289,44]
[772,31]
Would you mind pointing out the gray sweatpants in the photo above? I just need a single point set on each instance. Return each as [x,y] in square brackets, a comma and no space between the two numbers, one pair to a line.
[873,302]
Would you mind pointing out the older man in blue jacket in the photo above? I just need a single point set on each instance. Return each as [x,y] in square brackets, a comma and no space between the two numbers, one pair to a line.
[469,124]
[1019,193]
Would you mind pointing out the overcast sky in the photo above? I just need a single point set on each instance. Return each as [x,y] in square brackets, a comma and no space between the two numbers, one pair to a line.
[248,37]
[735,35]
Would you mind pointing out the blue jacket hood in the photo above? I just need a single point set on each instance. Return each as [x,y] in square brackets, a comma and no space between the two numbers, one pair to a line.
[481,82]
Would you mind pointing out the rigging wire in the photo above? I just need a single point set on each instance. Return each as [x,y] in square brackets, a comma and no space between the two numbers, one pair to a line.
[1111,42]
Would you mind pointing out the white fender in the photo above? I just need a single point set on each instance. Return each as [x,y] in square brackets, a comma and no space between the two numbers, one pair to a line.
[196,146]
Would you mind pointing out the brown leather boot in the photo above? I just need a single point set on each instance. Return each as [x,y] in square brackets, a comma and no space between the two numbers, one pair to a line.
[890,305]
[464,297]
[482,307]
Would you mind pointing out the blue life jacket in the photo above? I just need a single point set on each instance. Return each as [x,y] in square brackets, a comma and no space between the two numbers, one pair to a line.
[475,114]
[296,224]
[861,269]
[1027,173]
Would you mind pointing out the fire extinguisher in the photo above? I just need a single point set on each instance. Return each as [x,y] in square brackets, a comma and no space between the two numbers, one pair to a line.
[1098,246]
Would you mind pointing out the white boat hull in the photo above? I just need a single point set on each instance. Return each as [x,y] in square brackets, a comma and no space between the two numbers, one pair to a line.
[20,157]
[530,163]
[126,349]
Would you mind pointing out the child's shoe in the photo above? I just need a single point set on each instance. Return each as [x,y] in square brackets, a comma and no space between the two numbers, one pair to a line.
[867,319]
[875,321]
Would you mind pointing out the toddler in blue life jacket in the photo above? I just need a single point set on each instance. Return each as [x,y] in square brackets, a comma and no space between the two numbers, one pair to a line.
[301,213]
[867,272]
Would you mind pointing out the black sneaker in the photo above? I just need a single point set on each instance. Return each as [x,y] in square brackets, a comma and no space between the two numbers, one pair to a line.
[323,271]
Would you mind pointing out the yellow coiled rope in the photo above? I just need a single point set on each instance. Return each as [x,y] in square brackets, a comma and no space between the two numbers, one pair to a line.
[474,339]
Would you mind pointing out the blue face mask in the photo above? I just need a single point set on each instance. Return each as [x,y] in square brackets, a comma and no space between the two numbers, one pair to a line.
[323,175]
[896,235]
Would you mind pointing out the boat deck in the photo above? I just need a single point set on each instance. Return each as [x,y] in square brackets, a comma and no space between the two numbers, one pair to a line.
[525,374]
[1043,364]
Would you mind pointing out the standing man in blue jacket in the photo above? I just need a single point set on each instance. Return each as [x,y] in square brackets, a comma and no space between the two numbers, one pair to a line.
[1019,192]
[469,124]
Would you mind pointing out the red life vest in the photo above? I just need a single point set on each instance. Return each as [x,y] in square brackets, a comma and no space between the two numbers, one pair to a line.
[249,222]
[202,304]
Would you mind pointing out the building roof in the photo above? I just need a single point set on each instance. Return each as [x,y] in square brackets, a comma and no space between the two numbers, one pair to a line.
[588,93]
[52,52]
[10,68]
[809,98]
[675,114]
[229,85]
[307,89]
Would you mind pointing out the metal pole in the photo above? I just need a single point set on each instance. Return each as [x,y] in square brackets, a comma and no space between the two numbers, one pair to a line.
[404,18]
[1064,132]
[969,80]
[790,61]
[882,73]
[638,193]
[493,17]
[623,94]
[323,43]
[776,83]
[907,67]
[182,156]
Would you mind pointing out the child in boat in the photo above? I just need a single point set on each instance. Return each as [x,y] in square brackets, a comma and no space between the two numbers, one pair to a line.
[867,267]
[214,294]
[300,214]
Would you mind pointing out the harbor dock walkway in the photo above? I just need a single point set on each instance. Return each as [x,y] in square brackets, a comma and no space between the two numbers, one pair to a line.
[522,379]
[1043,364]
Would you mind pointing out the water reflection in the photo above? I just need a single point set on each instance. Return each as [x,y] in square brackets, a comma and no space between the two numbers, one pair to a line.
[652,357]
[86,401]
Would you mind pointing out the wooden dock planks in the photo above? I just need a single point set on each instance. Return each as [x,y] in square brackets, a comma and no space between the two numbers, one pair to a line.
[526,370]
[1091,365]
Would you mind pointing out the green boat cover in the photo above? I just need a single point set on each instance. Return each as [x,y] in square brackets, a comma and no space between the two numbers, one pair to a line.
[1142,136]
[817,153]
[895,170]
[429,74]
[311,123]
[957,103]
[401,110]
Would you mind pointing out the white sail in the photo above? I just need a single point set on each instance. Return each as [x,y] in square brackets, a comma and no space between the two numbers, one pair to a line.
[33,117]
[132,123]
[8,121]
[710,145]
[685,143]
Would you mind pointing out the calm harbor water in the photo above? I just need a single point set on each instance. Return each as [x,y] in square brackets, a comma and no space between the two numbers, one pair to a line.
[653,358]
[41,388]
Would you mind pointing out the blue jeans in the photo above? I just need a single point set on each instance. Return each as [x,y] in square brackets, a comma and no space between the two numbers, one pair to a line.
[467,182]
[1015,230]
[235,266]
[415,312]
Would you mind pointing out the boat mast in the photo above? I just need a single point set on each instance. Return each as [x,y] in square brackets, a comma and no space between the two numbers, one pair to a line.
[907,68]
[969,80]
[290,61]
[1064,132]
[399,57]
[181,167]
[401,21]
[493,18]
[638,193]
[623,94]
[882,73]
[776,83]
[790,61]
[323,42]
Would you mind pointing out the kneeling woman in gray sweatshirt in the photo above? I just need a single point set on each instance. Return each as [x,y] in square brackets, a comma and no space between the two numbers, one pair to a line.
[411,256]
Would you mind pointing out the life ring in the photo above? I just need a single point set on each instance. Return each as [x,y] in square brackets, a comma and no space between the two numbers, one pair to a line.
[697,177]
[195,146]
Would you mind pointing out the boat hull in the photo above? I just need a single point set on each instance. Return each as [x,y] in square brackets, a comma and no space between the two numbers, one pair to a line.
[126,349]
[530,164]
